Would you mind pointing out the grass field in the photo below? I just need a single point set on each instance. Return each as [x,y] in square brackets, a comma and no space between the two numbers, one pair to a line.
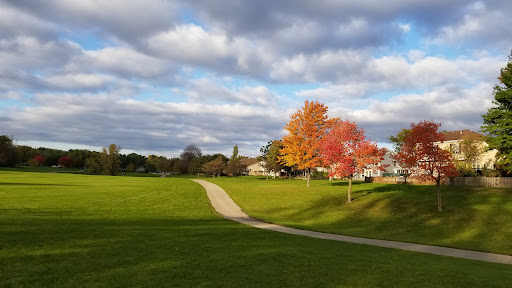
[42,169]
[473,218]
[64,230]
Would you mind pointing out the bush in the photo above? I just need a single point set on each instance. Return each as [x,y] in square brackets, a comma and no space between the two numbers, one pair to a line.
[319,175]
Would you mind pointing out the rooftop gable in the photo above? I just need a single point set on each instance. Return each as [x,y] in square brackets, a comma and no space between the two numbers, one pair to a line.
[461,135]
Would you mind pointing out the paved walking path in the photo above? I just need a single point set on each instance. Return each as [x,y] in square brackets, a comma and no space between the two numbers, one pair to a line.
[225,206]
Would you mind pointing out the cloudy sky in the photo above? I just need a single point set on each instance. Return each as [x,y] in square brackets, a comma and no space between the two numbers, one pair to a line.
[155,76]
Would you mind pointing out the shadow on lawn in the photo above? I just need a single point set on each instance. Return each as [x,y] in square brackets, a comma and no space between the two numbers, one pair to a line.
[210,252]
[34,184]
[409,213]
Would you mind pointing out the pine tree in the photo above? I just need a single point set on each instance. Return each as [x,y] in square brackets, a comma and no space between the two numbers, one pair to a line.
[498,119]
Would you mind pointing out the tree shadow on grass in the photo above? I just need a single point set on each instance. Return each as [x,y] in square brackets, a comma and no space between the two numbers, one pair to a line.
[470,219]
[212,252]
[34,184]
[345,183]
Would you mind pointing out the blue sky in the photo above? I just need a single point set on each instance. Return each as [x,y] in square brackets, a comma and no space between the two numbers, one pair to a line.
[156,76]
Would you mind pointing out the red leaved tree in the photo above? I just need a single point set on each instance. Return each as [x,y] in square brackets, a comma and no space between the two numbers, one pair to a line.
[38,160]
[301,147]
[427,161]
[346,150]
[66,162]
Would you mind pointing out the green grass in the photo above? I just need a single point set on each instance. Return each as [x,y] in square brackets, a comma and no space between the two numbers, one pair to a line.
[473,218]
[40,169]
[64,230]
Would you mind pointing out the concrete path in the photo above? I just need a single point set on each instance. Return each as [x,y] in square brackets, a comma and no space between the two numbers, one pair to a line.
[225,206]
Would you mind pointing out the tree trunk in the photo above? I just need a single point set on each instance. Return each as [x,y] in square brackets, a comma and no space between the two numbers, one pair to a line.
[349,194]
[439,200]
[309,176]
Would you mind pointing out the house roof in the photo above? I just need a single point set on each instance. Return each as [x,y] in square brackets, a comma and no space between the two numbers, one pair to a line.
[250,161]
[461,135]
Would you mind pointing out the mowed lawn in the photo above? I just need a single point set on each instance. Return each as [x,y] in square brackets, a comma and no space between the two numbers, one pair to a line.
[63,230]
[472,218]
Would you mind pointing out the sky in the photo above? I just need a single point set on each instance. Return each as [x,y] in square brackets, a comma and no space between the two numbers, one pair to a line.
[156,76]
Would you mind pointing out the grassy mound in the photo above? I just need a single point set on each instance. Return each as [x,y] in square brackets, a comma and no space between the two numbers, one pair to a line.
[474,218]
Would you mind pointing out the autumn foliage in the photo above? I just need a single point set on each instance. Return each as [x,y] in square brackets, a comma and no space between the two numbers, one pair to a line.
[66,162]
[38,161]
[215,167]
[427,161]
[307,126]
[346,151]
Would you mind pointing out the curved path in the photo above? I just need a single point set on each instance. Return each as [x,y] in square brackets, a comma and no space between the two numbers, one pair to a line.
[225,206]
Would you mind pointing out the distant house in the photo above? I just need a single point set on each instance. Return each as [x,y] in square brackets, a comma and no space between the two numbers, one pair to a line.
[254,167]
[386,167]
[257,168]
[452,142]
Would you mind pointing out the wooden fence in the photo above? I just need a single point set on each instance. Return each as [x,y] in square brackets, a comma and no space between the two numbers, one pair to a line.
[399,180]
[497,182]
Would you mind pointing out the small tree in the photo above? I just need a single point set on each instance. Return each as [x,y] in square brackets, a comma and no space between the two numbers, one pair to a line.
[397,142]
[470,152]
[428,161]
[346,151]
[66,162]
[270,157]
[109,159]
[235,165]
[37,161]
[93,165]
[498,119]
[130,167]
[301,146]
[215,167]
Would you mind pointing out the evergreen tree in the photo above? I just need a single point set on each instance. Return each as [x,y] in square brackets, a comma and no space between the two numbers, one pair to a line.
[7,151]
[498,119]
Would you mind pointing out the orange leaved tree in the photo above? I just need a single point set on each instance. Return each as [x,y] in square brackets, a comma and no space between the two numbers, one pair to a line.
[346,151]
[307,126]
[428,161]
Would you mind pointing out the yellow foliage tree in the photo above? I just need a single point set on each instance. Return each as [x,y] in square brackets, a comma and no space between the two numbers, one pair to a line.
[307,126]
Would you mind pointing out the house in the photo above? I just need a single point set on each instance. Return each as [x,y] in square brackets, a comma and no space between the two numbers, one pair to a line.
[255,167]
[388,166]
[453,142]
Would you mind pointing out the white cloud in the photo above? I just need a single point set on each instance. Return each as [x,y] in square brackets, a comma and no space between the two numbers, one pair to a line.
[223,73]
[405,27]
[479,24]
[11,95]
[123,61]
[78,81]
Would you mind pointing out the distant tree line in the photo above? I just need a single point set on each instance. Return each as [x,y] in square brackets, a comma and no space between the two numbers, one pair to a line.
[110,160]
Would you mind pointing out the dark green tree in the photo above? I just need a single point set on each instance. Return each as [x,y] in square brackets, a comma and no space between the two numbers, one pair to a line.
[398,140]
[7,152]
[190,159]
[236,166]
[498,120]
[270,157]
